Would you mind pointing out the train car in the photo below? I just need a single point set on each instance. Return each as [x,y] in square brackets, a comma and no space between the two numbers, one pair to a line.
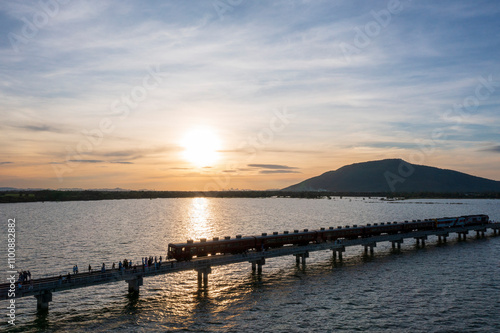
[476,219]
[449,222]
[191,249]
[276,240]
[382,228]
[349,232]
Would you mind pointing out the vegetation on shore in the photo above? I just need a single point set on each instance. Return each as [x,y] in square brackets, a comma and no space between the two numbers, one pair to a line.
[57,195]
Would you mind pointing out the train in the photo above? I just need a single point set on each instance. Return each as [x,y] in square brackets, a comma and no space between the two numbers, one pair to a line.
[241,244]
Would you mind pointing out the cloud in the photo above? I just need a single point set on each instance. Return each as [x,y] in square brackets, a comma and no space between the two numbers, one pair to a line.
[271,166]
[121,162]
[87,161]
[41,128]
[494,149]
[2,163]
[277,171]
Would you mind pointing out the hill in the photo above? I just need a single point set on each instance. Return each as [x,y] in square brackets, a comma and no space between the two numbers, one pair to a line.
[395,175]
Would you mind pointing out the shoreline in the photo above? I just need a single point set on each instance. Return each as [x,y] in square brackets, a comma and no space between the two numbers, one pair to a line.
[91,195]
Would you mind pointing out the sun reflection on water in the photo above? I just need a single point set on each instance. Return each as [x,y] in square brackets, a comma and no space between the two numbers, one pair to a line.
[200,219]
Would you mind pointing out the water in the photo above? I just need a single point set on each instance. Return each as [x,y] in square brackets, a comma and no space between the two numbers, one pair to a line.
[441,288]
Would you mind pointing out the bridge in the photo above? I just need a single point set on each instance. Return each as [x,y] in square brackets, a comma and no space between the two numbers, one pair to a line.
[43,288]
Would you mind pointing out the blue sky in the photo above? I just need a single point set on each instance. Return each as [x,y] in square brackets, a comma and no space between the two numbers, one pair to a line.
[100,94]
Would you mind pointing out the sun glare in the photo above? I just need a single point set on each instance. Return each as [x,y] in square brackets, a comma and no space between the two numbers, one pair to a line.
[201,147]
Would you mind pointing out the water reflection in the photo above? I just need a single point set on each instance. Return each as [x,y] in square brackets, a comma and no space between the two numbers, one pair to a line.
[200,218]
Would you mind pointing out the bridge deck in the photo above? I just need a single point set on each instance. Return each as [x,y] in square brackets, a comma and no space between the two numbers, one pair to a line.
[81,280]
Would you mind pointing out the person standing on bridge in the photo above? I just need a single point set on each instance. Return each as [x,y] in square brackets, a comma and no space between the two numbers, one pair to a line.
[90,268]
[103,268]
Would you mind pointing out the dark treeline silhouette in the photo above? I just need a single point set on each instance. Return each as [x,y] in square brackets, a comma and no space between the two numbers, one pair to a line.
[56,195]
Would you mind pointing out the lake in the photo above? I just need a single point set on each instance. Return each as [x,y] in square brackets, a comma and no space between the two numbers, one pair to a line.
[452,287]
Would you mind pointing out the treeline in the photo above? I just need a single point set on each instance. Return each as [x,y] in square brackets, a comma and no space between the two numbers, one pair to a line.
[54,195]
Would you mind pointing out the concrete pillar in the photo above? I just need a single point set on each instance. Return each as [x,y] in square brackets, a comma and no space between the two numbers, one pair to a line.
[134,284]
[334,254]
[371,246]
[300,258]
[257,265]
[398,243]
[421,240]
[203,276]
[200,276]
[439,239]
[42,301]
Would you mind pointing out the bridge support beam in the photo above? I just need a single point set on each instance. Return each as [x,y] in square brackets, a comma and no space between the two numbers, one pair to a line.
[462,235]
[421,240]
[301,258]
[397,243]
[339,251]
[370,246]
[442,237]
[257,265]
[480,233]
[134,284]
[42,301]
[203,276]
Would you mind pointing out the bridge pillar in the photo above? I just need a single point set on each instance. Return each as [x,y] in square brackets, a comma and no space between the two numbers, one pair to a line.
[42,301]
[134,284]
[257,265]
[301,258]
[203,276]
[370,246]
[339,251]
[480,233]
[463,234]
[421,240]
[398,243]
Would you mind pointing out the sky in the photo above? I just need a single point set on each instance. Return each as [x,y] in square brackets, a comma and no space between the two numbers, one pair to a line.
[239,94]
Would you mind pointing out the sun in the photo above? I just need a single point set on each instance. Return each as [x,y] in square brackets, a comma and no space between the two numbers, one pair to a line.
[201,147]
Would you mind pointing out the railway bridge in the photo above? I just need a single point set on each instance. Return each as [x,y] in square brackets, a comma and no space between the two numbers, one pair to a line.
[43,288]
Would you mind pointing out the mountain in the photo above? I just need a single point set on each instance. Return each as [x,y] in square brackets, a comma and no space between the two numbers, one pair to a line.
[395,175]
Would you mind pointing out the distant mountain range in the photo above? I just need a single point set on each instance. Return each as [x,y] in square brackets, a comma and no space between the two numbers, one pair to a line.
[395,175]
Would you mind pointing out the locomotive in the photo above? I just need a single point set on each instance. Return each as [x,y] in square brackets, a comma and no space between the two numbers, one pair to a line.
[242,244]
